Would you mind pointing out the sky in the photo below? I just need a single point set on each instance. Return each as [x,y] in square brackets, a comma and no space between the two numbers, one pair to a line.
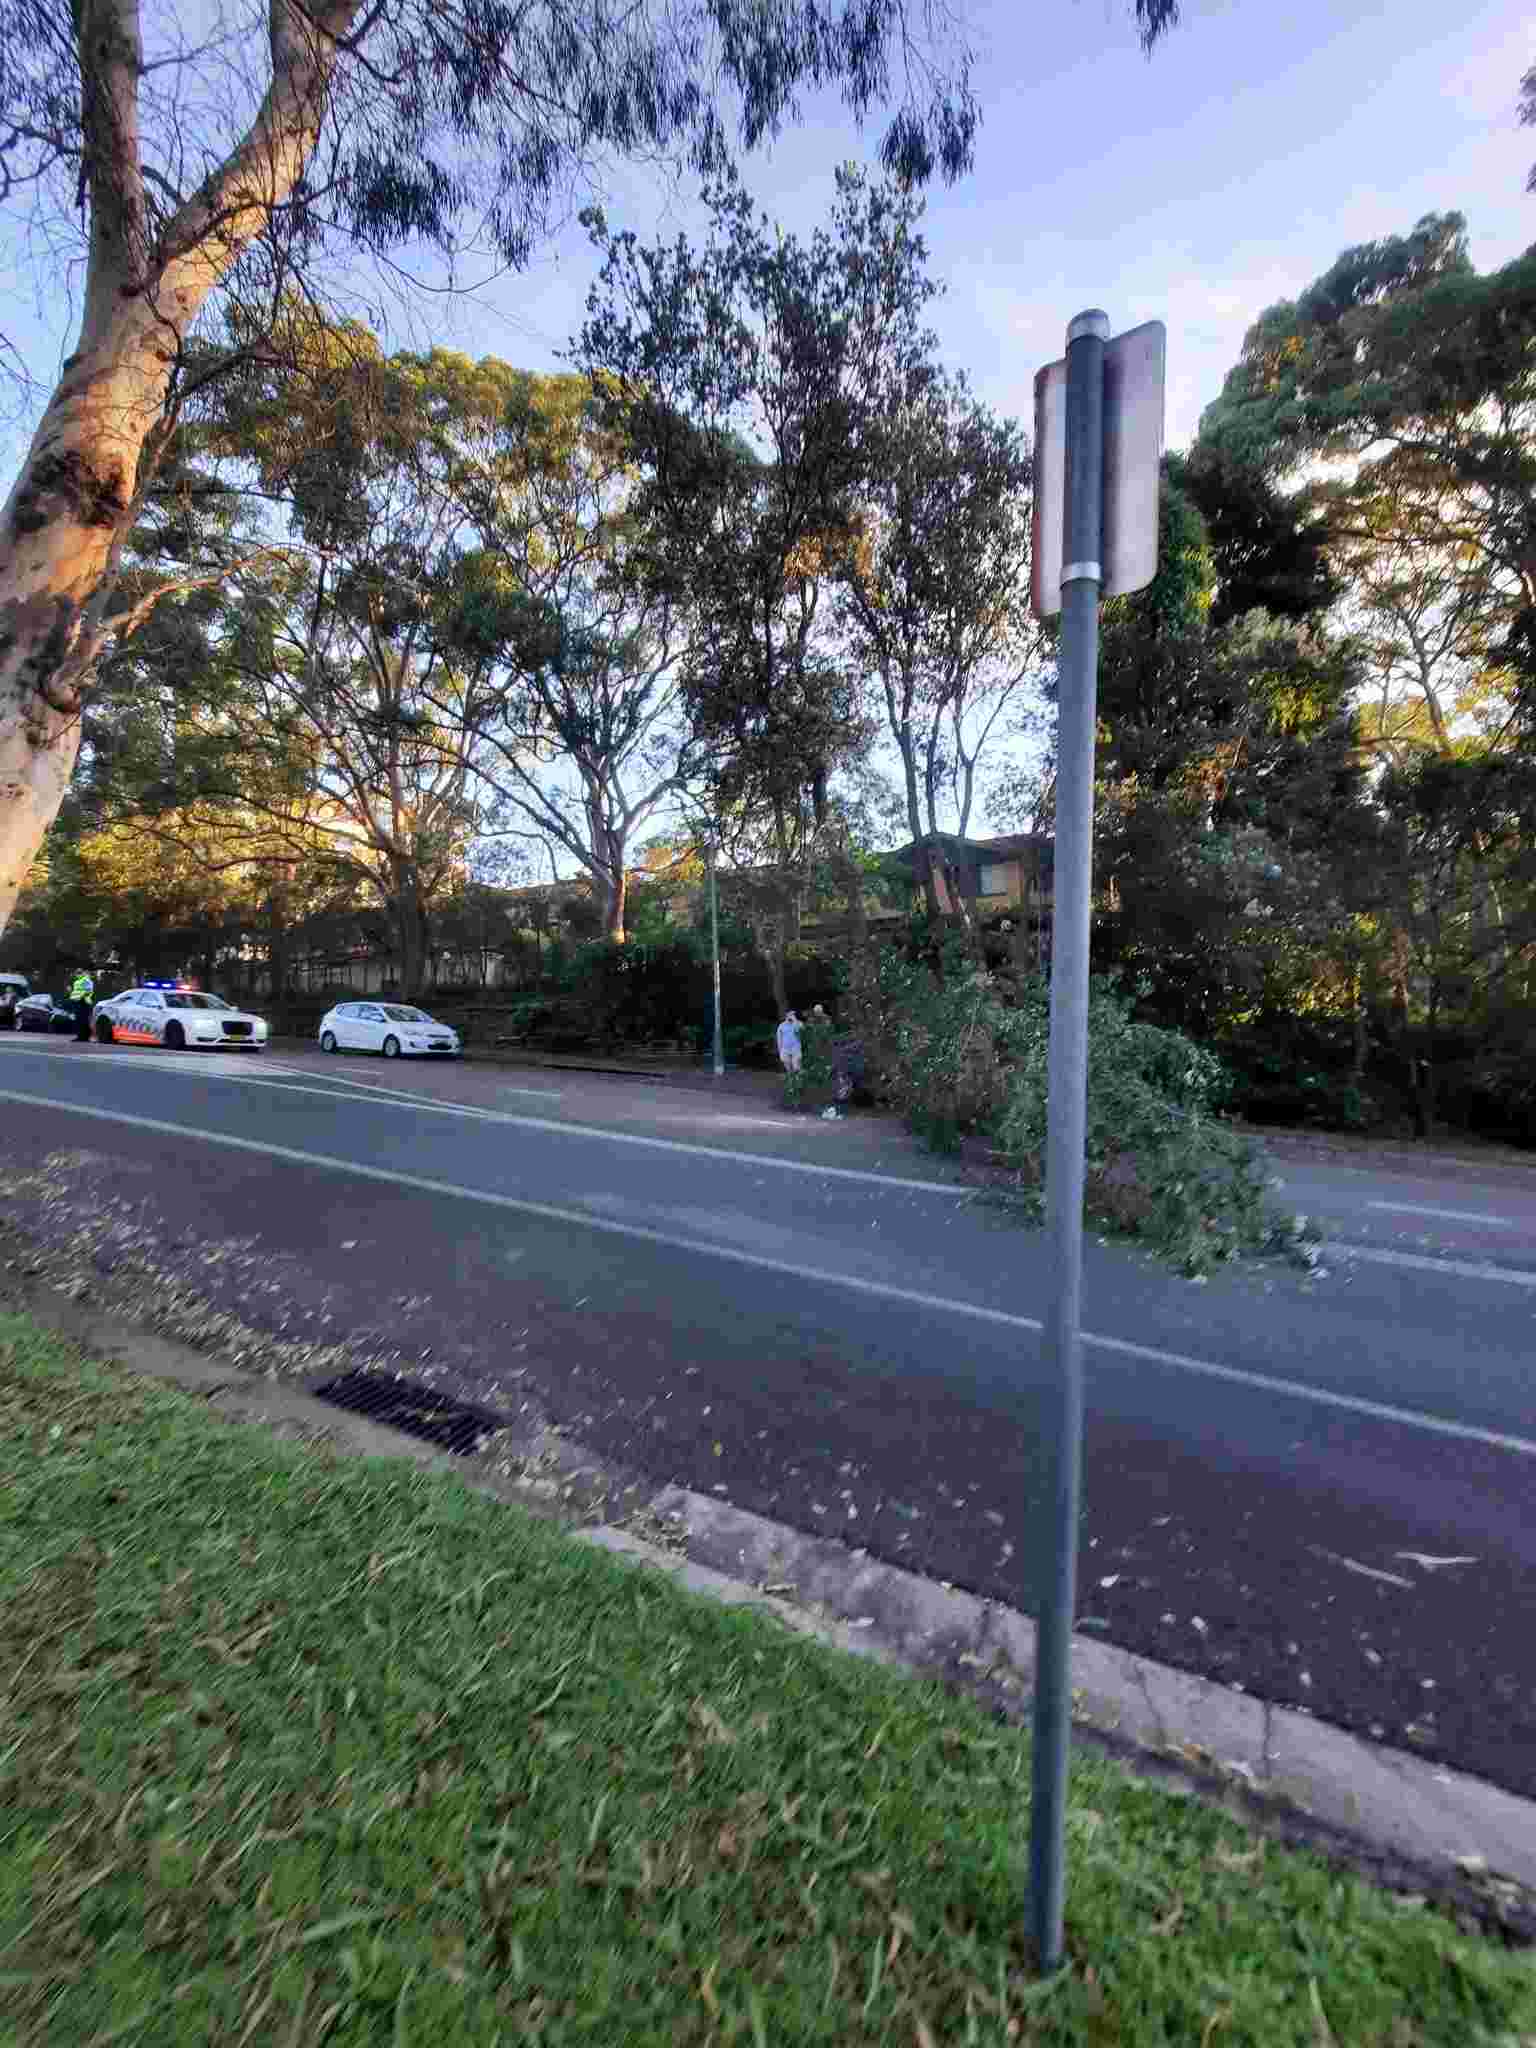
[1197,185]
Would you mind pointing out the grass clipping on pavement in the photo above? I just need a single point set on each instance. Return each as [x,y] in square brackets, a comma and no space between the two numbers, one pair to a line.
[298,1748]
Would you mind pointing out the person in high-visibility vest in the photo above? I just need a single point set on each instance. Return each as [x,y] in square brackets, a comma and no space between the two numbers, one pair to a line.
[82,994]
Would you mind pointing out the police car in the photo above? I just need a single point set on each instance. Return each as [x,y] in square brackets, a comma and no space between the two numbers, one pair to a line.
[168,1013]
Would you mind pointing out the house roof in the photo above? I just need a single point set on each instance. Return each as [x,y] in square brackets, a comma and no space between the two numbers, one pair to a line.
[965,852]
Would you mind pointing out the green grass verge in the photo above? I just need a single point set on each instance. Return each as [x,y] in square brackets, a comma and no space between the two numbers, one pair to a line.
[295,1748]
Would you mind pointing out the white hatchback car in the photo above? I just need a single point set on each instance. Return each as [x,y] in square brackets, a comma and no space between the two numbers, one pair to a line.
[394,1029]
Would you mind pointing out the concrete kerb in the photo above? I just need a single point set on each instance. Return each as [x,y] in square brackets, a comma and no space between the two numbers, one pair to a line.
[1402,1819]
[1342,1791]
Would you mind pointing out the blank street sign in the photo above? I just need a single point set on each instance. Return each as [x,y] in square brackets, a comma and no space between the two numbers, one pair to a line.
[1133,452]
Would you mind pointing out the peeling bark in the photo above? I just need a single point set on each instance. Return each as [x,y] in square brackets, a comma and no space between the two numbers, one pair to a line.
[615,903]
[96,447]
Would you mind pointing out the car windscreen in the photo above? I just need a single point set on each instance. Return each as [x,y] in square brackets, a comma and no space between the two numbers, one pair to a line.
[192,999]
[397,1013]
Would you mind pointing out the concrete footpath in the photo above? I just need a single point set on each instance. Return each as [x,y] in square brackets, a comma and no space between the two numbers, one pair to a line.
[1400,1819]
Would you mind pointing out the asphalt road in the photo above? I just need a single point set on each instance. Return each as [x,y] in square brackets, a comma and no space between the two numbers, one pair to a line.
[1315,1488]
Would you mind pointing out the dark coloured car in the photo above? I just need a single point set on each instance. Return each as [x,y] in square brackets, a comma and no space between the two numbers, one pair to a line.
[44,1013]
[13,989]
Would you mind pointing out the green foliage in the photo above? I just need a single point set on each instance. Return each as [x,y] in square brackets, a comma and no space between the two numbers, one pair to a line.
[439,122]
[969,1054]
[1397,398]
[934,597]
[1231,784]
[640,991]
[749,375]
[813,1086]
[1389,413]
[1292,1070]
[1269,554]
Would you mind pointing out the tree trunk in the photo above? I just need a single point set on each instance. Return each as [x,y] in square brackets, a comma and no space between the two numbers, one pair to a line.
[776,951]
[922,853]
[615,903]
[1424,1074]
[410,928]
[64,522]
[955,899]
[58,534]
[277,950]
[850,878]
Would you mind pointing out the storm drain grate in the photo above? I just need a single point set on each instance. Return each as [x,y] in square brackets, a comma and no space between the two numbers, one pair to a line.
[455,1426]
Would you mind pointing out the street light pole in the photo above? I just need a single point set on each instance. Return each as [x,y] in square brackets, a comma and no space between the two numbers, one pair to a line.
[1067,1097]
[714,950]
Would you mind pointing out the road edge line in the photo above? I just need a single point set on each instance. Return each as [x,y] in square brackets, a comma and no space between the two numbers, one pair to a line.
[855,1283]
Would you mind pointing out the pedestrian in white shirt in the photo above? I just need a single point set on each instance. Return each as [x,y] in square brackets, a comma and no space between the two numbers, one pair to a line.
[789,1043]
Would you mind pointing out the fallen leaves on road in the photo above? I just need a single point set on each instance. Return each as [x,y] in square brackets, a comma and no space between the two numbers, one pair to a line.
[1364,1571]
[705,1718]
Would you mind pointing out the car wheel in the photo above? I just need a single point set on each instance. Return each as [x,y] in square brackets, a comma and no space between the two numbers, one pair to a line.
[175,1038]
[103,1030]
[327,1041]
[391,1048]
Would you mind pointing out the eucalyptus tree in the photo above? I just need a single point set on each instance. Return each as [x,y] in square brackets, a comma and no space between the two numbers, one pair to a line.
[188,157]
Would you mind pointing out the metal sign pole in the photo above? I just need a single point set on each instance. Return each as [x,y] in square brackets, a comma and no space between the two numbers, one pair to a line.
[714,948]
[1067,1107]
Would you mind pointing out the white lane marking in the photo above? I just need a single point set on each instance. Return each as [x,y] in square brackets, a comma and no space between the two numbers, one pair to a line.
[341,1080]
[227,1059]
[1450,1215]
[560,1127]
[221,1066]
[397,1094]
[1267,1383]
[1420,1262]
